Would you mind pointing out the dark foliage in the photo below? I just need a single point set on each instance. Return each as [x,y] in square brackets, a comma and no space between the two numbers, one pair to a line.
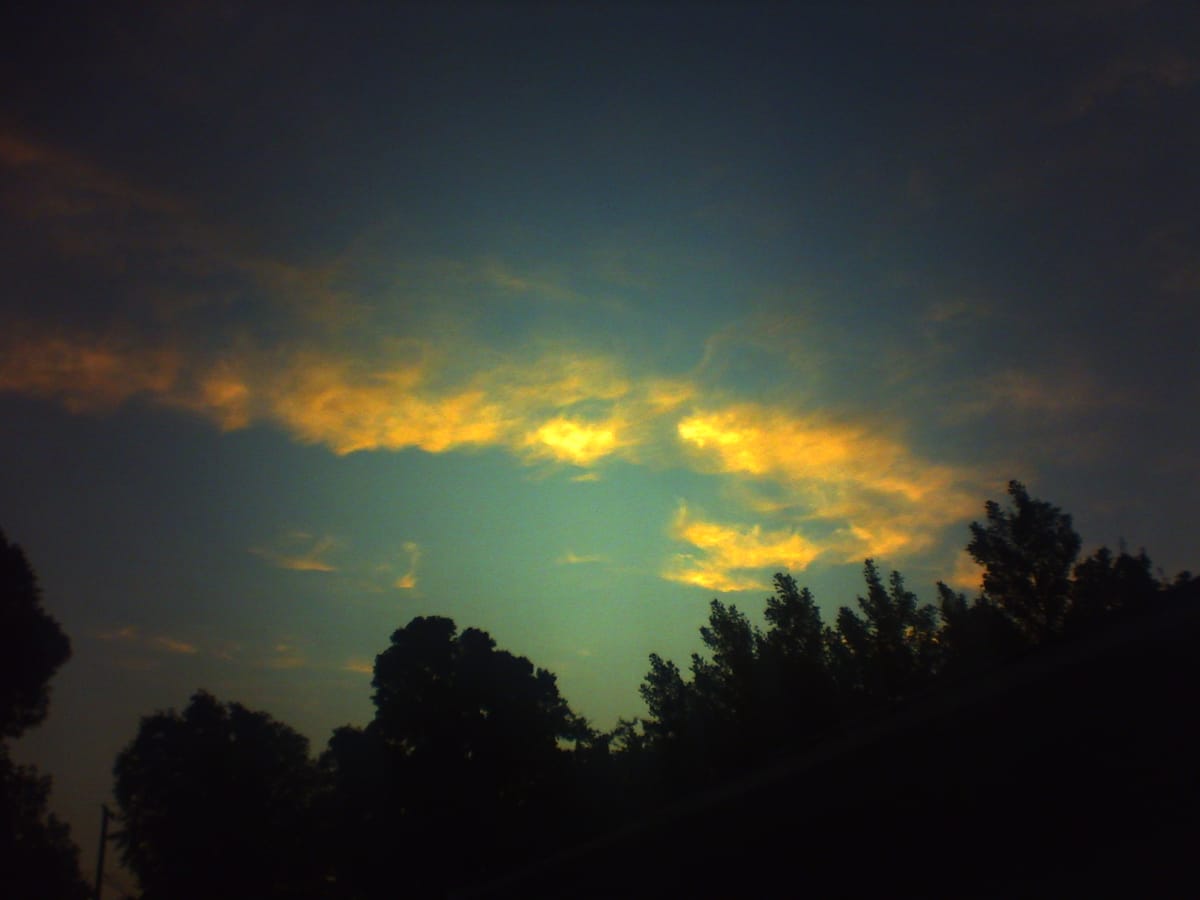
[37,857]
[32,645]
[217,801]
[1027,551]
[890,650]
[462,767]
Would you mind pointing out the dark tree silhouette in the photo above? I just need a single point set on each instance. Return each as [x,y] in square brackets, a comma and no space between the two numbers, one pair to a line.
[461,769]
[794,654]
[890,650]
[668,697]
[727,687]
[755,695]
[1027,551]
[37,857]
[1105,586]
[218,802]
[32,645]
[975,636]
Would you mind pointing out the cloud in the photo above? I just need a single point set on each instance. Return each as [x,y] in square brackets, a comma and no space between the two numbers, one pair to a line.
[284,655]
[88,374]
[408,581]
[835,464]
[837,489]
[1024,391]
[132,635]
[844,486]
[300,552]
[967,574]
[570,558]
[727,550]
[547,408]
[1140,75]
[172,645]
[359,666]
[568,440]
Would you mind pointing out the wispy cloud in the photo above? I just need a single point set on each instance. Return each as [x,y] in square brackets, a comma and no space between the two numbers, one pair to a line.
[359,666]
[835,467]
[130,634]
[1143,74]
[300,552]
[731,557]
[1060,392]
[836,489]
[408,581]
[570,558]
[967,574]
[284,655]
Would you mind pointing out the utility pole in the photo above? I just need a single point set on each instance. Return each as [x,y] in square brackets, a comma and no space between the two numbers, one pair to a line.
[104,814]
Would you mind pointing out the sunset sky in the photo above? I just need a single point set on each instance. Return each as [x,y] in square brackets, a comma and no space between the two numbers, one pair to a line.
[562,321]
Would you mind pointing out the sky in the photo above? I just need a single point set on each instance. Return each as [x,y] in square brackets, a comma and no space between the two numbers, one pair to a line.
[562,320]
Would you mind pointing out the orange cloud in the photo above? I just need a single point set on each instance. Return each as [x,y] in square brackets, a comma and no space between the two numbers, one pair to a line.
[300,552]
[849,491]
[171,645]
[324,400]
[131,634]
[408,581]
[85,375]
[285,656]
[967,574]
[568,440]
[726,550]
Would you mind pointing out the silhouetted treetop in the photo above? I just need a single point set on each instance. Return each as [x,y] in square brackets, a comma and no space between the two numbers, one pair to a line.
[37,857]
[461,768]
[32,645]
[439,692]
[1027,550]
[214,802]
[890,650]
[1105,585]
[796,630]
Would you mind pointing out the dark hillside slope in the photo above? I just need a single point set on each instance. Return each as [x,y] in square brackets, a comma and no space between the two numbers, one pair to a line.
[1070,773]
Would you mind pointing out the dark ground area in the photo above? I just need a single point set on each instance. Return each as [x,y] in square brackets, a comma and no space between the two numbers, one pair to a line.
[1070,773]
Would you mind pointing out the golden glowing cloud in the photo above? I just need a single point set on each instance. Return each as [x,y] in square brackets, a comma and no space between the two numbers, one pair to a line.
[566,440]
[858,489]
[760,441]
[359,666]
[325,400]
[729,549]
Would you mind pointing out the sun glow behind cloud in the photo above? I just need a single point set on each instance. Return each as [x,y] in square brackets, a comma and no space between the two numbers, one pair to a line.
[798,484]
[819,487]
